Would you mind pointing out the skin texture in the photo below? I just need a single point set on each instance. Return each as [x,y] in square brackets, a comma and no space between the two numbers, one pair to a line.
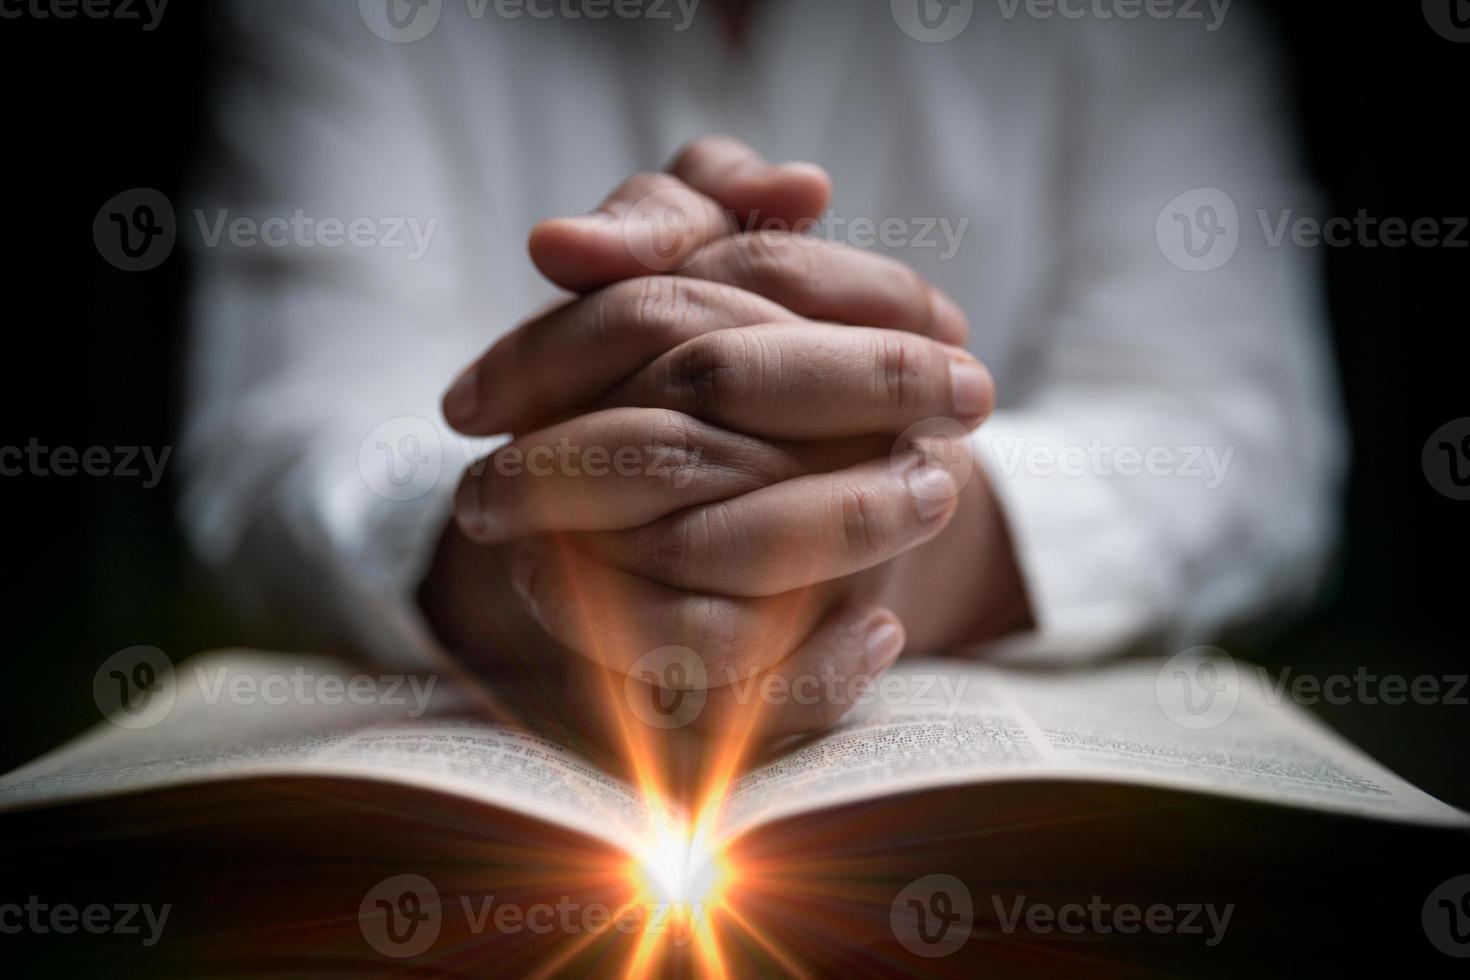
[772,511]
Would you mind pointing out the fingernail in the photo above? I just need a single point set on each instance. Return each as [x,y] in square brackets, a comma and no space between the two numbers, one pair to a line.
[805,166]
[462,400]
[884,644]
[594,221]
[949,320]
[522,573]
[970,386]
[933,488]
[796,168]
[467,511]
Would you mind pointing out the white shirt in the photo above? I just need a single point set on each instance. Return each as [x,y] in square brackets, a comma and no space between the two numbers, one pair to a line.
[1041,153]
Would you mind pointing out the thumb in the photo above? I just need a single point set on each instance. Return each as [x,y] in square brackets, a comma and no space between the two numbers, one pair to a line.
[657,223]
[734,176]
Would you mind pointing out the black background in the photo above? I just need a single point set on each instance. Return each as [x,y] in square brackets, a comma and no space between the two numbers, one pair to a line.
[93,565]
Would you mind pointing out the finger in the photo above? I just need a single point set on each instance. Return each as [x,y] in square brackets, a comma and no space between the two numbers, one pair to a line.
[736,177]
[794,534]
[652,222]
[832,671]
[546,367]
[657,222]
[829,673]
[617,619]
[625,467]
[813,381]
[608,708]
[827,281]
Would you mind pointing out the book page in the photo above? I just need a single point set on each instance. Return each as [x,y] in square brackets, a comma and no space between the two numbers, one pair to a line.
[245,714]
[963,722]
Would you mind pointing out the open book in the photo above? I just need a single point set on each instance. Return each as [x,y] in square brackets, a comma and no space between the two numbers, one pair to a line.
[1030,822]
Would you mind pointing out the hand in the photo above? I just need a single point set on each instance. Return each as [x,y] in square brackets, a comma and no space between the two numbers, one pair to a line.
[711,536]
[675,290]
[466,595]
[660,570]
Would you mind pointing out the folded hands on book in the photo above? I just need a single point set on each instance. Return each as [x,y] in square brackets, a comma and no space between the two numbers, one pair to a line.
[737,450]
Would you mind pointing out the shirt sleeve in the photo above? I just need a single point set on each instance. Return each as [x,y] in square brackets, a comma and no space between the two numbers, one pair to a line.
[326,321]
[1171,461]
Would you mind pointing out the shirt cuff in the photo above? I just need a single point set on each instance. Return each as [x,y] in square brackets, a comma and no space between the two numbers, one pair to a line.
[383,515]
[1095,577]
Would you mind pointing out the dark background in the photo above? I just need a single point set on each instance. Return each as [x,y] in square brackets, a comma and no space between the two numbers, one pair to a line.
[93,565]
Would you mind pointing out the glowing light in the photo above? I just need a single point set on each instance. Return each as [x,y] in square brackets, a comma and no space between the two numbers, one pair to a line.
[683,868]
[681,877]
[680,868]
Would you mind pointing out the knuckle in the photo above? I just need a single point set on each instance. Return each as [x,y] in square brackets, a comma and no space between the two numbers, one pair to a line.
[674,443]
[774,265]
[895,370]
[655,306]
[703,371]
[860,513]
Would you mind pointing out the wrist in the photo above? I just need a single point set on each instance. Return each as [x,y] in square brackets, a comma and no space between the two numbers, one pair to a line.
[467,600]
[964,586]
